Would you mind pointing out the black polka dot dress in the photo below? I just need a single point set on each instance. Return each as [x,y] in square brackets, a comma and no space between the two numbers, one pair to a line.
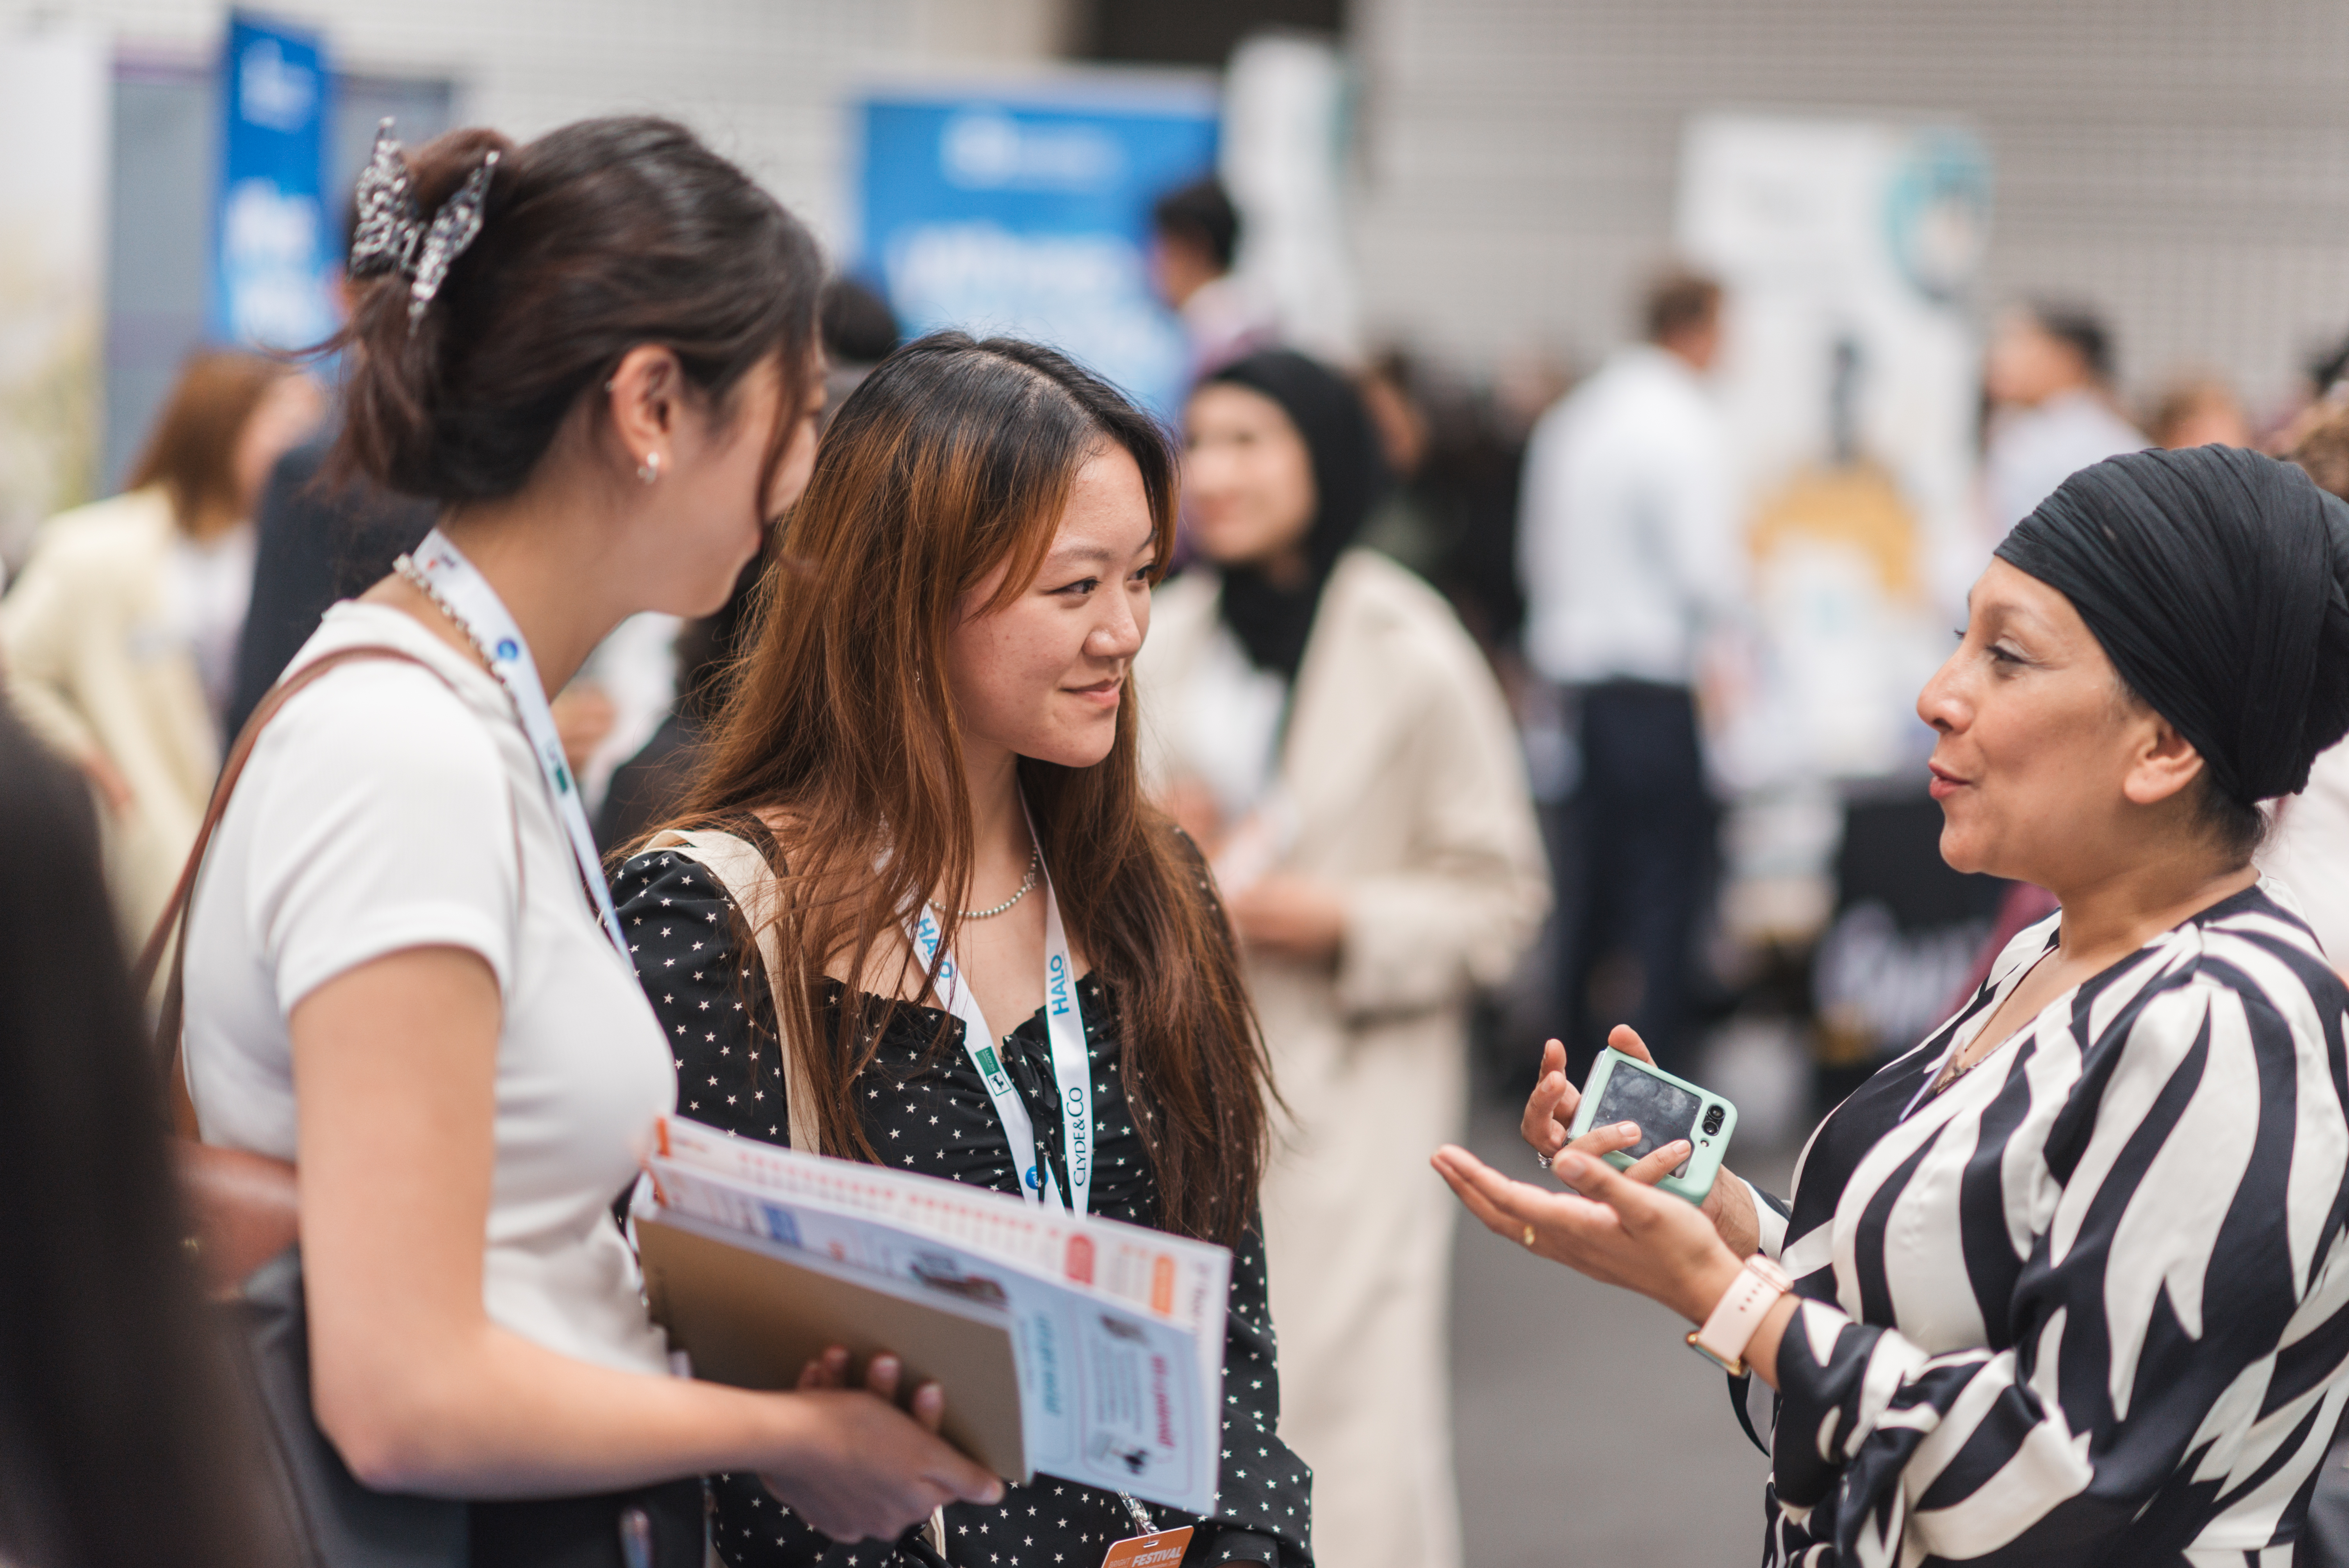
[926,1110]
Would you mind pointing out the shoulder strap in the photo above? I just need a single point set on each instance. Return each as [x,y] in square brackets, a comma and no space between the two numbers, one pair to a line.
[751,882]
[171,1014]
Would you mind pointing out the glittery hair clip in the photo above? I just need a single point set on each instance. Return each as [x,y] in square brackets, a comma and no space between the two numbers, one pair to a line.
[392,235]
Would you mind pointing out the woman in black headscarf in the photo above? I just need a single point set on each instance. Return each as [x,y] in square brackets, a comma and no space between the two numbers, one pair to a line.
[1318,720]
[2068,1283]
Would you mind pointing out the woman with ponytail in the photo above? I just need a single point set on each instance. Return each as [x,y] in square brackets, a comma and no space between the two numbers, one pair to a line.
[596,354]
[929,757]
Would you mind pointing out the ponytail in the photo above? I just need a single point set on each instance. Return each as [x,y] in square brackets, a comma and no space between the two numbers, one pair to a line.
[597,239]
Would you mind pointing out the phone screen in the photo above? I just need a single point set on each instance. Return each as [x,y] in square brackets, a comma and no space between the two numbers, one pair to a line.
[1663,1111]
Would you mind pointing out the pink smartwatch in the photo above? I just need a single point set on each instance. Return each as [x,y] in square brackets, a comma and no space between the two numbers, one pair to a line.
[1740,1312]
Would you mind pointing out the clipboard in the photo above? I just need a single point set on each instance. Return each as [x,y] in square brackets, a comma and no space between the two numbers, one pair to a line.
[750,1313]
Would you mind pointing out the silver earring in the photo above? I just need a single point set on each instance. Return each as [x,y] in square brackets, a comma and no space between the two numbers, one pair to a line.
[649,469]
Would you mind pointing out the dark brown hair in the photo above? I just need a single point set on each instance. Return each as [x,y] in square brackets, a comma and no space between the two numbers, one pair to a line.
[953,458]
[596,239]
[110,1367]
[192,451]
[2079,329]
[1200,213]
[1675,301]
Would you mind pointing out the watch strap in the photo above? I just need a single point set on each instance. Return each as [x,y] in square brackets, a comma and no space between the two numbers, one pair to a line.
[1738,1315]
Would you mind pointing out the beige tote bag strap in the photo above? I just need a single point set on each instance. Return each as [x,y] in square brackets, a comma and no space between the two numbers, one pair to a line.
[750,882]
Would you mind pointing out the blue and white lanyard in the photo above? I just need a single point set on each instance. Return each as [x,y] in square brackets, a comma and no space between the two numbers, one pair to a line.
[1064,1023]
[460,589]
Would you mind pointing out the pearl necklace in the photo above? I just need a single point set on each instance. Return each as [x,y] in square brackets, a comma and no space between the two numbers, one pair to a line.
[1035,863]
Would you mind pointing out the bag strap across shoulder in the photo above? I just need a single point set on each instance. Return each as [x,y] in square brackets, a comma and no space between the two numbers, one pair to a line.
[171,1016]
[752,883]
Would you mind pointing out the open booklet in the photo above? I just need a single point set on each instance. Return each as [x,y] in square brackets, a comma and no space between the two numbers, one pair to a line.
[1083,1347]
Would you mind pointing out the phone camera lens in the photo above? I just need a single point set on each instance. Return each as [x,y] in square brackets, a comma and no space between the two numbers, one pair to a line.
[1712,1118]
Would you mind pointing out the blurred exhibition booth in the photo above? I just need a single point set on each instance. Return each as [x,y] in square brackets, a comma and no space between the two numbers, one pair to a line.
[1481,183]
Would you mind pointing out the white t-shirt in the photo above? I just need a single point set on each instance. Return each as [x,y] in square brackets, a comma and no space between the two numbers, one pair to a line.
[1226,725]
[2309,851]
[382,810]
[207,589]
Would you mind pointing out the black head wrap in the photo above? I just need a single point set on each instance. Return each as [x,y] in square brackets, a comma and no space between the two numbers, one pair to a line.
[2215,580]
[1349,475]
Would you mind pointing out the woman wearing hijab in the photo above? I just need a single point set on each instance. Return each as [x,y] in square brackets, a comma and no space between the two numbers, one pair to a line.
[1320,721]
[2067,1283]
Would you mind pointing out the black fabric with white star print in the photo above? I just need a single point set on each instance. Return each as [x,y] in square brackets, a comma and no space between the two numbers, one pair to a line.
[926,1109]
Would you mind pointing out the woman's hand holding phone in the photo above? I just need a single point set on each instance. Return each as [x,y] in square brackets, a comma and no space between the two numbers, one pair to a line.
[1549,1112]
[1617,1227]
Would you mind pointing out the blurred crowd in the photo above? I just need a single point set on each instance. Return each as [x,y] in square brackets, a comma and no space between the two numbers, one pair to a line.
[1404,580]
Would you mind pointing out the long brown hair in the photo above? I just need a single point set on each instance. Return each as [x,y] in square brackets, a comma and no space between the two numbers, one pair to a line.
[192,451]
[953,458]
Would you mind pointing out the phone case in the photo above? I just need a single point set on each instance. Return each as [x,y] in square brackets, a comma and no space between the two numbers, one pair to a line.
[1708,1142]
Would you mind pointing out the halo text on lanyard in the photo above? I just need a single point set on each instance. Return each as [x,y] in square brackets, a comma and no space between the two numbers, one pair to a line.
[441,571]
[1064,1023]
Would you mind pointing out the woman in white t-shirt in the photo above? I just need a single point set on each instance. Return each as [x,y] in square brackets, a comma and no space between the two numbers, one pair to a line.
[597,353]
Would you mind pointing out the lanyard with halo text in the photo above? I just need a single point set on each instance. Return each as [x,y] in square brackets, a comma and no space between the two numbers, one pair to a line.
[1064,1023]
[442,572]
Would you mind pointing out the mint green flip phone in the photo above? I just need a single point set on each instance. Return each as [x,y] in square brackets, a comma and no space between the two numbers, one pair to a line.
[1625,1089]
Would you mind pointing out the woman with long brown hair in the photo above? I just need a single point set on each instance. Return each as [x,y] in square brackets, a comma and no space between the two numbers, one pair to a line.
[120,642]
[932,747]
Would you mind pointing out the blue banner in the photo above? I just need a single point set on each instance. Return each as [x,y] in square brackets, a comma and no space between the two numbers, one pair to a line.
[1028,213]
[273,248]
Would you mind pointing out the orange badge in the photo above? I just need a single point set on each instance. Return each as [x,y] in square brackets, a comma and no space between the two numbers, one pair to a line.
[1163,1550]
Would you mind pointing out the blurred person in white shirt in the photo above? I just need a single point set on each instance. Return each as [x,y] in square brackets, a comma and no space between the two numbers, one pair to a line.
[1194,235]
[1630,554]
[2049,379]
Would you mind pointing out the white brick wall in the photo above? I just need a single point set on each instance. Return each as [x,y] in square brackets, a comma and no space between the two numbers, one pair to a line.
[2183,164]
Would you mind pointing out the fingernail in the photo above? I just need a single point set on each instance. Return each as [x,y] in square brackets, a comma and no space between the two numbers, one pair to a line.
[1568,1165]
[1628,1129]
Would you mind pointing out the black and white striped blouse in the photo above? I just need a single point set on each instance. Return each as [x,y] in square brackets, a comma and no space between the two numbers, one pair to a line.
[2089,1303]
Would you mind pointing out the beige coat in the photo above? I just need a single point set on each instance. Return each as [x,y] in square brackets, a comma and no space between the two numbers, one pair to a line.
[1410,792]
[93,666]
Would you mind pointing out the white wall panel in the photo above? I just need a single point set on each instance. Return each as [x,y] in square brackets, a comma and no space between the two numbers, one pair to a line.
[764,80]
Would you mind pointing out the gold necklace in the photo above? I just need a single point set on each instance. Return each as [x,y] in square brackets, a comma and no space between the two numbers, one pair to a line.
[1953,1072]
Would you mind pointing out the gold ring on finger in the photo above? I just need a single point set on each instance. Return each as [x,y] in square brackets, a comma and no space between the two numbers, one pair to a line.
[1528,1237]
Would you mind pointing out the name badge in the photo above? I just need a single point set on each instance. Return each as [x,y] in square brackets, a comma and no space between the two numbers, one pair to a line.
[1163,1550]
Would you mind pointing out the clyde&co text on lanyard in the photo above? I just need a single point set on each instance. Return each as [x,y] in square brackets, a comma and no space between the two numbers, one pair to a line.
[1071,1069]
